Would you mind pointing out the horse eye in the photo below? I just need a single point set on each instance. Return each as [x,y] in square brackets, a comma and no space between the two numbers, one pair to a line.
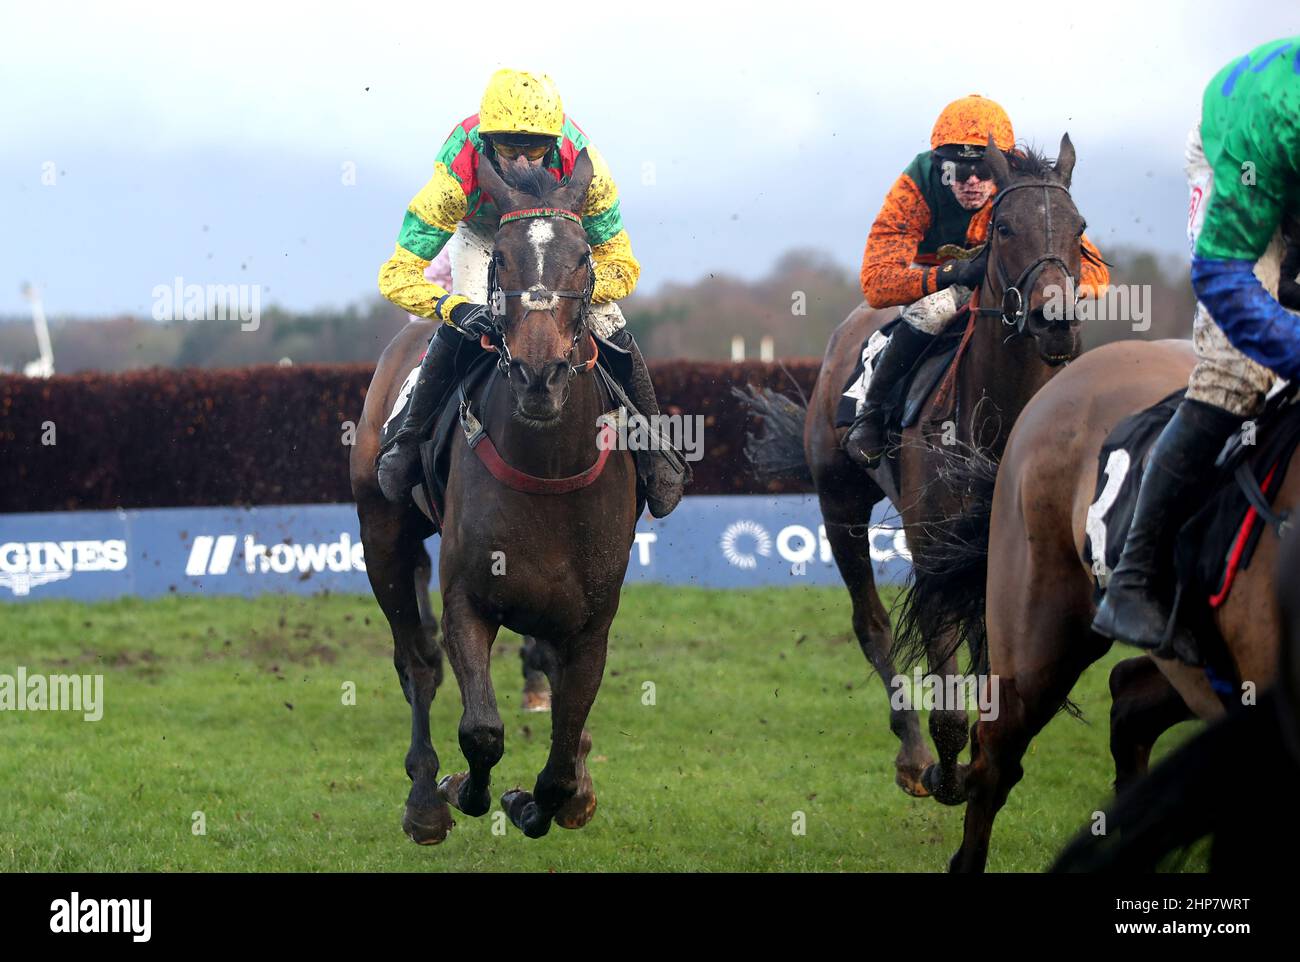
[1083,227]
[1003,230]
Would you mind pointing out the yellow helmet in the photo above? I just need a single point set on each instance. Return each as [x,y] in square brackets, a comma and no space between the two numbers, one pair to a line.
[970,120]
[518,102]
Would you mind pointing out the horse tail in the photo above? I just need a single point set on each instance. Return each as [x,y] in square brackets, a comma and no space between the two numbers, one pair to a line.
[778,452]
[946,592]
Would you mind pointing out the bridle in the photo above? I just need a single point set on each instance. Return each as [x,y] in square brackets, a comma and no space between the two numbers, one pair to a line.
[1014,307]
[539,298]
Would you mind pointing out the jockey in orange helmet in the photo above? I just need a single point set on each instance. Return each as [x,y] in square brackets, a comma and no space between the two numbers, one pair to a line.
[944,197]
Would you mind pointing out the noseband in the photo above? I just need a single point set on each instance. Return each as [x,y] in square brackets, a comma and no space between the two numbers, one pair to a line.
[1014,309]
[537,297]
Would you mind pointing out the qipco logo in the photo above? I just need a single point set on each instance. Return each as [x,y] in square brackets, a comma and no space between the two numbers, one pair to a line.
[744,542]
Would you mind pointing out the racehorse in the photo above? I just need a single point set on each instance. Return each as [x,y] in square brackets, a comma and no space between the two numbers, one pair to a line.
[1039,593]
[1013,349]
[538,522]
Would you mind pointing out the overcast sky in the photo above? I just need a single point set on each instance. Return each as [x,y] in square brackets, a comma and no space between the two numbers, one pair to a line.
[209,141]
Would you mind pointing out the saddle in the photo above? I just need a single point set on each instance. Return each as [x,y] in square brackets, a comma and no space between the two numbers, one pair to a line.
[913,390]
[1220,538]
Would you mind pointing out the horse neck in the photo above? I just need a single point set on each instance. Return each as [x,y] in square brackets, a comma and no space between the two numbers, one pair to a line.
[568,447]
[1001,372]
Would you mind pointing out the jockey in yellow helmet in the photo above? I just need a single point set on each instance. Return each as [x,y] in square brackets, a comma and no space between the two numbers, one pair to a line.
[521,123]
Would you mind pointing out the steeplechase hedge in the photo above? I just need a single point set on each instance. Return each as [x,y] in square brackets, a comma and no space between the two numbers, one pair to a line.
[276,435]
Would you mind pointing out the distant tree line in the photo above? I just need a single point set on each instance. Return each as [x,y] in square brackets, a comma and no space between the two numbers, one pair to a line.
[798,303]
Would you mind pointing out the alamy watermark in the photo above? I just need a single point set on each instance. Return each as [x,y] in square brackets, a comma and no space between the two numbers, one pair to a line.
[75,915]
[209,302]
[636,432]
[945,693]
[37,692]
[1118,302]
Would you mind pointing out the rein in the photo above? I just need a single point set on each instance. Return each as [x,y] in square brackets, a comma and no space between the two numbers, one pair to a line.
[1013,310]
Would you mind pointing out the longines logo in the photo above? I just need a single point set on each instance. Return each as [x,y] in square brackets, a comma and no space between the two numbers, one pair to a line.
[25,565]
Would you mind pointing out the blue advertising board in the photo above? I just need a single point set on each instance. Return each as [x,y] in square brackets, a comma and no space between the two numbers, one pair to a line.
[742,541]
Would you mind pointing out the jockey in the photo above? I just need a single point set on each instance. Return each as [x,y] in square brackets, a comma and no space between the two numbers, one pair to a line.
[944,197]
[1243,168]
[521,123]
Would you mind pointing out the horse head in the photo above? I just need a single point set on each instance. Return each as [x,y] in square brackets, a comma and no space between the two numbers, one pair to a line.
[1035,250]
[541,282]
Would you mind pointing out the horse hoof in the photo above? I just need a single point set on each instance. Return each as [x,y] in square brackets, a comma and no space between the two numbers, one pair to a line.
[576,812]
[537,701]
[451,789]
[910,781]
[945,791]
[427,826]
[523,813]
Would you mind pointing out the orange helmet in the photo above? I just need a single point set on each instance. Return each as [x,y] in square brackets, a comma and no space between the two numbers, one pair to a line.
[969,121]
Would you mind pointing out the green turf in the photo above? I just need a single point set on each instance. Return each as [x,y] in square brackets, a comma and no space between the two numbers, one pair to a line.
[234,708]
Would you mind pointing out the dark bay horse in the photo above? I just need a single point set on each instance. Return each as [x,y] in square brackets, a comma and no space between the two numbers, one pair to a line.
[1035,236]
[1039,600]
[544,558]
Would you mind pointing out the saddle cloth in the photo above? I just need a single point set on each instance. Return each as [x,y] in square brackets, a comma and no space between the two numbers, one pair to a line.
[1220,538]
[909,395]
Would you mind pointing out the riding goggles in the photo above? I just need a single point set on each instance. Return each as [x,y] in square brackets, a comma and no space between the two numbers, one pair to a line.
[513,151]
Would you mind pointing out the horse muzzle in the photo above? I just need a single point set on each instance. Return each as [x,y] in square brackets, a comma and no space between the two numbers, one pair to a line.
[539,390]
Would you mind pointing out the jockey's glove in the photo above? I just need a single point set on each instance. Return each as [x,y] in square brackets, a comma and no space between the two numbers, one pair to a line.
[472,320]
[966,273]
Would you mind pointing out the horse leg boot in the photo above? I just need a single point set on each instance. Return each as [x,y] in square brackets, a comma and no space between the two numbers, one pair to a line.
[663,472]
[1181,461]
[866,438]
[399,460]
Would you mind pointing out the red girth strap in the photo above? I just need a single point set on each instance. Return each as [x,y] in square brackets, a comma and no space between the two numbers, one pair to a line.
[517,480]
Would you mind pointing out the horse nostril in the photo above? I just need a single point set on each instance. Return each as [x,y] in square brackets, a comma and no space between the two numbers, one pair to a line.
[555,374]
[519,371]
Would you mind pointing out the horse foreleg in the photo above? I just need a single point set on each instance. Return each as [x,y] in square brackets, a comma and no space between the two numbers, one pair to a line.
[482,734]
[394,558]
[847,513]
[1024,704]
[564,792]
[1144,705]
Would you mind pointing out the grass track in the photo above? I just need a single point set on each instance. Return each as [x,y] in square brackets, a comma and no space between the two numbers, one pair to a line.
[233,708]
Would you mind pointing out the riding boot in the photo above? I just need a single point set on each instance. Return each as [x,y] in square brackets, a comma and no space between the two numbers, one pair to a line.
[1182,460]
[399,460]
[866,438]
[664,473]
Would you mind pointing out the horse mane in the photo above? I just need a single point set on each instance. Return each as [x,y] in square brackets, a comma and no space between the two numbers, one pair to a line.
[537,182]
[1028,162]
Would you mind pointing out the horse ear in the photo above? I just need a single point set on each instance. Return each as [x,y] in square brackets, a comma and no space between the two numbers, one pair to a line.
[575,191]
[502,195]
[997,162]
[1065,160]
